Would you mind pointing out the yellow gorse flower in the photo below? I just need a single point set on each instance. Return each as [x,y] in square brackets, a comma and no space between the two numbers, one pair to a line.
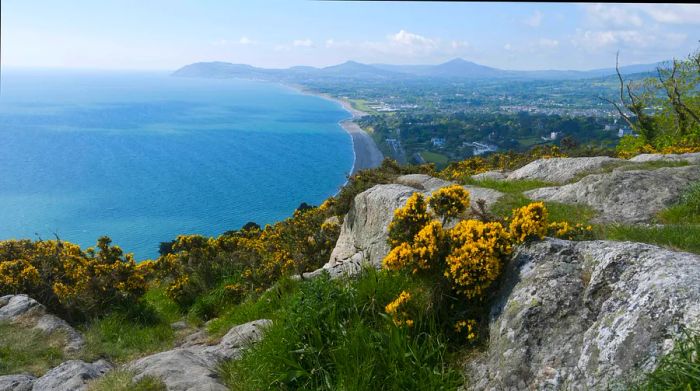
[476,257]
[395,309]
[467,327]
[408,220]
[529,222]
[449,201]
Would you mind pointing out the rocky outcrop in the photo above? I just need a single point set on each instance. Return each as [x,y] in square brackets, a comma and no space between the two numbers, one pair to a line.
[17,382]
[624,196]
[363,235]
[72,375]
[691,158]
[193,368]
[422,182]
[29,312]
[586,315]
[561,170]
[492,175]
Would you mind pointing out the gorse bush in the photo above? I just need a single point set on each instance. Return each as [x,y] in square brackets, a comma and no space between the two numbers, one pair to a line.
[408,220]
[77,284]
[449,202]
[465,260]
[248,260]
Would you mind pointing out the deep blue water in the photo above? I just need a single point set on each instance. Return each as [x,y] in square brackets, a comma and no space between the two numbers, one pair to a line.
[143,157]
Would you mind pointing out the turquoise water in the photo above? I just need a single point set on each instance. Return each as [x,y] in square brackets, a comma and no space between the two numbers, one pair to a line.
[143,157]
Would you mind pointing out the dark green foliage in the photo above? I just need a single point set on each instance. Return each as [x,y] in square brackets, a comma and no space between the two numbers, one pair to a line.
[250,226]
[304,207]
[166,248]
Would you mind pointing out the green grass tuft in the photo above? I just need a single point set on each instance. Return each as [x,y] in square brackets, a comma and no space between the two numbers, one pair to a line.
[674,237]
[120,380]
[687,211]
[24,350]
[510,187]
[267,305]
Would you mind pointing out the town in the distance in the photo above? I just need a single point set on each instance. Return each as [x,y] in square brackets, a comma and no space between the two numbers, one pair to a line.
[458,109]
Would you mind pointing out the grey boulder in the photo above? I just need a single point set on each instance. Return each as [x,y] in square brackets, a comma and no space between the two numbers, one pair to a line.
[24,310]
[624,196]
[17,382]
[560,170]
[193,367]
[692,158]
[72,375]
[586,315]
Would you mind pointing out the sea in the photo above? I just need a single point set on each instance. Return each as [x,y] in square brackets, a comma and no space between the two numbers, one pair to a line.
[142,157]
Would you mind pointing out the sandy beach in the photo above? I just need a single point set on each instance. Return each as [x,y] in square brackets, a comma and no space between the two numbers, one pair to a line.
[367,155]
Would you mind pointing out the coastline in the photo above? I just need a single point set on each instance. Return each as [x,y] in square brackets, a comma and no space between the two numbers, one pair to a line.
[365,150]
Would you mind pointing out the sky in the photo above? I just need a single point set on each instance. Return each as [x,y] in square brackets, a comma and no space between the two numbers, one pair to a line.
[167,34]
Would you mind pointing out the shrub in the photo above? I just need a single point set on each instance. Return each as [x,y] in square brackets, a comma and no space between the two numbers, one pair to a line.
[467,259]
[475,261]
[210,273]
[408,220]
[69,281]
[449,202]
[529,222]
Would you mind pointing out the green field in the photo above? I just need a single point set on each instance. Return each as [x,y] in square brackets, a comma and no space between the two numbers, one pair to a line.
[433,157]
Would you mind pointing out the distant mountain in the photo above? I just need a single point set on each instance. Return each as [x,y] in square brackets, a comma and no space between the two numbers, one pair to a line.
[454,69]
[356,69]
[457,68]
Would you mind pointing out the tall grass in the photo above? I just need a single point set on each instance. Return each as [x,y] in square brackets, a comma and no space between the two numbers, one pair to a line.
[334,335]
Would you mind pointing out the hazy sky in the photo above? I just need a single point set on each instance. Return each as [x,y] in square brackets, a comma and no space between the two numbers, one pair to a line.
[166,34]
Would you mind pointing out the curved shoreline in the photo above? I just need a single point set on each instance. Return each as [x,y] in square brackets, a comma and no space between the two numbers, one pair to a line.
[366,154]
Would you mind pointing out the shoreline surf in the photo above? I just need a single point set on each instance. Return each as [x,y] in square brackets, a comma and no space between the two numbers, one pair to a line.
[366,154]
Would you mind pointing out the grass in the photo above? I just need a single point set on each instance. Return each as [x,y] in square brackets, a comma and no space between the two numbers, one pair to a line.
[125,334]
[24,350]
[687,211]
[333,334]
[674,237]
[440,160]
[678,371]
[573,214]
[509,187]
[361,104]
[629,166]
[266,306]
[120,380]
